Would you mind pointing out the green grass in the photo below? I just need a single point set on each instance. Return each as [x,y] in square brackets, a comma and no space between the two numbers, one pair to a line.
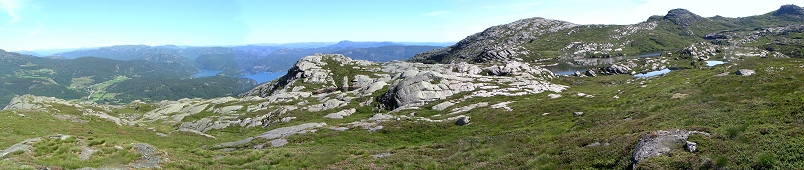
[755,123]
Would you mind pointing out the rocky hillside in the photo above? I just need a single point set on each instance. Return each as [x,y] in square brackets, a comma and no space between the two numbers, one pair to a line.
[366,114]
[333,112]
[538,40]
[344,93]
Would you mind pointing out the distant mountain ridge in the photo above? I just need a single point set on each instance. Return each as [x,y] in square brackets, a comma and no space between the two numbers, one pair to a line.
[245,59]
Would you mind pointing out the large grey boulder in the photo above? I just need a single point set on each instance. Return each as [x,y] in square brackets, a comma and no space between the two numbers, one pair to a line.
[205,124]
[362,81]
[661,143]
[745,72]
[423,88]
[590,73]
[620,68]
[443,106]
[329,104]
[341,114]
[466,68]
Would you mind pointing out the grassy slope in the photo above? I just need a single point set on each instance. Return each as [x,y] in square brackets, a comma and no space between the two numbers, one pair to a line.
[755,122]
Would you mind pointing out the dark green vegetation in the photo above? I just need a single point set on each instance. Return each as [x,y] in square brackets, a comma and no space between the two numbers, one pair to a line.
[239,60]
[90,76]
[156,89]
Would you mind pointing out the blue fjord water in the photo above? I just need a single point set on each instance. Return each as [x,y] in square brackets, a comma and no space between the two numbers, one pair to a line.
[259,77]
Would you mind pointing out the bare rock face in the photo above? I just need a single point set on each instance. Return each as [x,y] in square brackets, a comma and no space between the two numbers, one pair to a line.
[745,72]
[790,10]
[682,17]
[517,68]
[341,114]
[24,146]
[661,143]
[422,88]
[308,69]
[498,43]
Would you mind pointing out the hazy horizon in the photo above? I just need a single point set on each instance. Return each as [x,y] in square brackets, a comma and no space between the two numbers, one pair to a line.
[44,24]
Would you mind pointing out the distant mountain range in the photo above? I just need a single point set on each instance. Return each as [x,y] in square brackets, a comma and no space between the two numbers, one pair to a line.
[247,59]
[87,78]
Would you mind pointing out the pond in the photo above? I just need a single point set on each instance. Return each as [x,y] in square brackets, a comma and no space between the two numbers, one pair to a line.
[652,73]
[568,67]
[711,63]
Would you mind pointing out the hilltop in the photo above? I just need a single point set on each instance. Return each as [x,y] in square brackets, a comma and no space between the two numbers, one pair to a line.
[539,40]
[487,102]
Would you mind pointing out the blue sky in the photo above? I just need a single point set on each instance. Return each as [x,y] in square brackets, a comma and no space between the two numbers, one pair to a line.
[50,24]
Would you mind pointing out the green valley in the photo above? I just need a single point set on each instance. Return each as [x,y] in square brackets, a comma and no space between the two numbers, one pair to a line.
[678,91]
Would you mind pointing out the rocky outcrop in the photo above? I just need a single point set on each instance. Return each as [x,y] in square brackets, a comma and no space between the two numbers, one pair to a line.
[420,89]
[203,125]
[682,17]
[24,146]
[50,104]
[660,143]
[745,72]
[310,70]
[700,51]
[518,68]
[498,43]
[418,84]
[277,136]
[341,114]
[790,10]
[151,157]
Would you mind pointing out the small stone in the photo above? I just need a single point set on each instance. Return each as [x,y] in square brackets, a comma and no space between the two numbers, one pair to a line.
[593,144]
[692,146]
[553,96]
[463,120]
[590,73]
[287,119]
[381,155]
[577,114]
